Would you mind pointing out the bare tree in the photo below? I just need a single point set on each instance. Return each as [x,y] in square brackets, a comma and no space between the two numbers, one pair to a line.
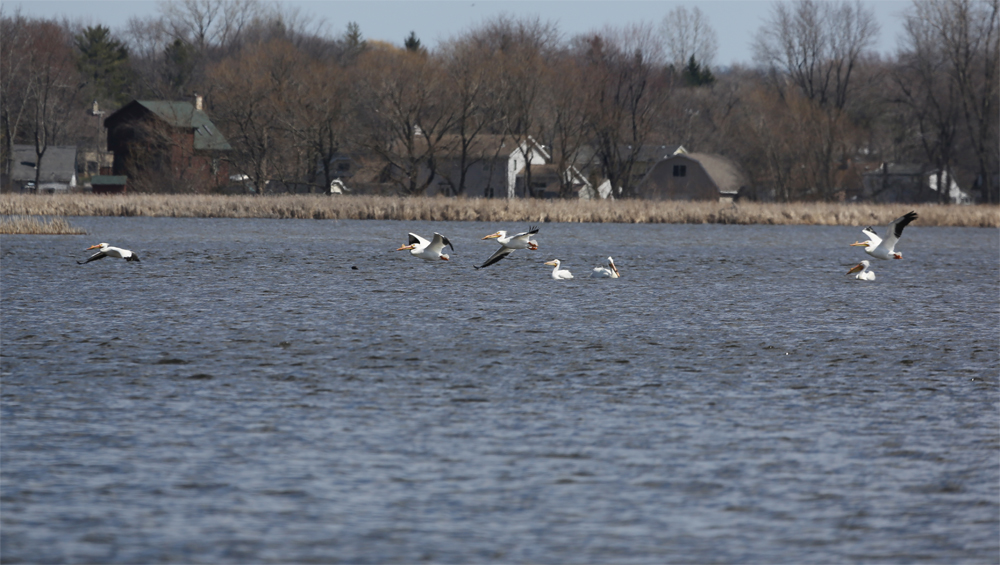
[397,96]
[469,91]
[521,49]
[321,117]
[259,83]
[688,34]
[15,80]
[817,45]
[816,48]
[771,136]
[964,36]
[927,91]
[55,107]
[565,117]
[628,90]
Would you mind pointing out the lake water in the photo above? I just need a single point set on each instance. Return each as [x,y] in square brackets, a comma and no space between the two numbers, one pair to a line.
[243,395]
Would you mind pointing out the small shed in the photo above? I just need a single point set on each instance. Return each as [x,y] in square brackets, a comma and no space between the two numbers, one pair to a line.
[108,184]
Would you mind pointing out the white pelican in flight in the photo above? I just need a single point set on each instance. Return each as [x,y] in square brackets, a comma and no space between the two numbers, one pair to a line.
[884,248]
[510,243]
[865,274]
[427,250]
[108,251]
[609,272]
[557,273]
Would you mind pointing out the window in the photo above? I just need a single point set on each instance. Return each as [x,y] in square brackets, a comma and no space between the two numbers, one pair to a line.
[680,170]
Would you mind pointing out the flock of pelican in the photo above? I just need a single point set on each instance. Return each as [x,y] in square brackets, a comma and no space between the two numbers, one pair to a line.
[881,248]
[433,250]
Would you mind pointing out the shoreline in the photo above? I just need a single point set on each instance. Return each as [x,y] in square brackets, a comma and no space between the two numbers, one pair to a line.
[320,207]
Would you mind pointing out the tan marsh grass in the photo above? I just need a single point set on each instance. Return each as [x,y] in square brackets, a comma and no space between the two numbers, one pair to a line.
[23,225]
[490,210]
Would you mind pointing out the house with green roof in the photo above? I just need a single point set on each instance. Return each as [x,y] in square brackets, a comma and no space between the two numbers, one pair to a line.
[168,146]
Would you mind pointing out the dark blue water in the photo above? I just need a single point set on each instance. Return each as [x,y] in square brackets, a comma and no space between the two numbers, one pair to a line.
[243,395]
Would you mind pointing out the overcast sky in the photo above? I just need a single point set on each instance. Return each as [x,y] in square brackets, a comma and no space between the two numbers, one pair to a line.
[735,21]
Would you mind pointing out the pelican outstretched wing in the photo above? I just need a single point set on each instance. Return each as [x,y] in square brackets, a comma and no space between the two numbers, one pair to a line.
[500,254]
[94,257]
[439,241]
[895,230]
[416,239]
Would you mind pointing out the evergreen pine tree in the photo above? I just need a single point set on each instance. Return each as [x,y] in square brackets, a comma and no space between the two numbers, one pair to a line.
[103,61]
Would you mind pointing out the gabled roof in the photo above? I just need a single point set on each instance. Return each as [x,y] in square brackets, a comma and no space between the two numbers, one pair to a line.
[655,153]
[58,163]
[183,115]
[723,171]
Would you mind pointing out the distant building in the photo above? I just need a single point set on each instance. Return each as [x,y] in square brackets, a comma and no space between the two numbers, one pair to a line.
[548,180]
[58,172]
[108,184]
[909,183]
[167,143]
[693,176]
[588,162]
[496,165]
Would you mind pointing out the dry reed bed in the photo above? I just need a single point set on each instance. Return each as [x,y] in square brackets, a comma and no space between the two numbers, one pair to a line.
[13,225]
[489,210]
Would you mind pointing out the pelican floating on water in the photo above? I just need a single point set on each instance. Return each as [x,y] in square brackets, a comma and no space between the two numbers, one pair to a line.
[427,250]
[609,272]
[557,273]
[884,248]
[865,274]
[108,251]
[508,244]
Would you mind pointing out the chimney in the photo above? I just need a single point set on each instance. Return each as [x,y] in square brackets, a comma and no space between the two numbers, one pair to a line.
[197,102]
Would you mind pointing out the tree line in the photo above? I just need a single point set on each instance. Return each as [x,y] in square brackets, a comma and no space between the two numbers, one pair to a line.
[816,108]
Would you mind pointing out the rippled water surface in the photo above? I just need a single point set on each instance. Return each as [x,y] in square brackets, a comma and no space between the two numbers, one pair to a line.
[244,395]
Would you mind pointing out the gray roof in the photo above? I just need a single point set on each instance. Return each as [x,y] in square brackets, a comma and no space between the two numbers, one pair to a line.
[58,163]
[183,115]
[725,172]
[653,153]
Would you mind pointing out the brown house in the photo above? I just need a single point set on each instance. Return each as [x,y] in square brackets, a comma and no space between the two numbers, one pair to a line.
[692,176]
[168,146]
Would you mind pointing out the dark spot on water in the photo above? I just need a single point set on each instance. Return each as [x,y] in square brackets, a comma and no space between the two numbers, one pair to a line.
[171,362]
